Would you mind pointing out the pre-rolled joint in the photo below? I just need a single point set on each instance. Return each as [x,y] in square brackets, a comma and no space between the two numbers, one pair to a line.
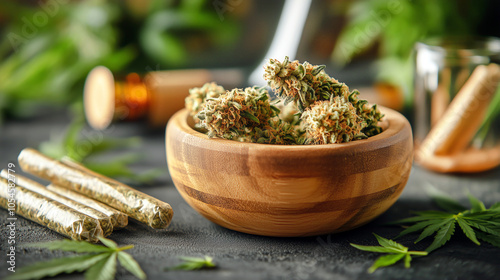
[98,187]
[51,214]
[103,219]
[118,219]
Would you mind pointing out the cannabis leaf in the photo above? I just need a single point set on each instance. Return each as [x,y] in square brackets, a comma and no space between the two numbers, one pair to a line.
[395,252]
[191,263]
[81,145]
[476,222]
[99,262]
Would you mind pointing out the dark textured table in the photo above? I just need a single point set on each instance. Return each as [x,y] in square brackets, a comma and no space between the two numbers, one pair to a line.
[242,256]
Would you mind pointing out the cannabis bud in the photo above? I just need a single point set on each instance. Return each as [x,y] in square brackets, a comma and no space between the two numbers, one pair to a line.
[275,131]
[234,113]
[301,83]
[371,115]
[197,96]
[305,84]
[332,121]
[315,109]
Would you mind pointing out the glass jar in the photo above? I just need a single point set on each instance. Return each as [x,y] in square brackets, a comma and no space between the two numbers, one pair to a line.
[442,67]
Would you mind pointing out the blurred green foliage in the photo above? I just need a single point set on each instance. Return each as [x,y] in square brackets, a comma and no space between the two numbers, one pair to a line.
[82,145]
[396,25]
[169,34]
[48,47]
[45,55]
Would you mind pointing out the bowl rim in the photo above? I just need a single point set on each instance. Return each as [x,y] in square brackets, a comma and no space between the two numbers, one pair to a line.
[394,123]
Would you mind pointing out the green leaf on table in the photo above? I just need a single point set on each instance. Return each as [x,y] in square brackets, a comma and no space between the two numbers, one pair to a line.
[442,236]
[477,205]
[477,223]
[489,238]
[99,262]
[71,246]
[192,263]
[386,260]
[469,232]
[407,261]
[376,249]
[387,243]
[448,204]
[416,227]
[486,227]
[104,269]
[108,242]
[445,202]
[409,220]
[423,216]
[495,207]
[431,229]
[131,265]
[395,252]
[57,266]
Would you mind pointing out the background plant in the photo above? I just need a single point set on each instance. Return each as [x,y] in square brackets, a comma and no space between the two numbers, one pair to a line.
[81,144]
[48,47]
[394,27]
[45,62]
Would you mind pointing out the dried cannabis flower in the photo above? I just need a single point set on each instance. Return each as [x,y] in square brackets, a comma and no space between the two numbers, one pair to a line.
[194,102]
[315,109]
[305,84]
[276,131]
[301,83]
[334,121]
[233,115]
[371,115]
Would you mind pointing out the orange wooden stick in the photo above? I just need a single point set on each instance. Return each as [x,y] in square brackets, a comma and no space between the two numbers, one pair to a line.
[453,133]
[469,161]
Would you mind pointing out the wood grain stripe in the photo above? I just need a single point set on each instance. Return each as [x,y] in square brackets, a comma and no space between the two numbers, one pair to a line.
[272,209]
[292,163]
[386,149]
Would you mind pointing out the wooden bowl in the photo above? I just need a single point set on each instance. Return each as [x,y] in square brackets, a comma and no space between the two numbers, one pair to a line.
[278,190]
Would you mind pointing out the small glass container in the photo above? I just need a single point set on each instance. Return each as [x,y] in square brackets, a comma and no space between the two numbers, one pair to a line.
[443,70]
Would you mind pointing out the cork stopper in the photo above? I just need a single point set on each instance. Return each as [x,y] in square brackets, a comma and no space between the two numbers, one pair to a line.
[107,99]
[156,96]
[99,97]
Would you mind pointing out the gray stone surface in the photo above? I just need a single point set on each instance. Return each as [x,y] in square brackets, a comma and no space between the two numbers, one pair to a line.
[243,256]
